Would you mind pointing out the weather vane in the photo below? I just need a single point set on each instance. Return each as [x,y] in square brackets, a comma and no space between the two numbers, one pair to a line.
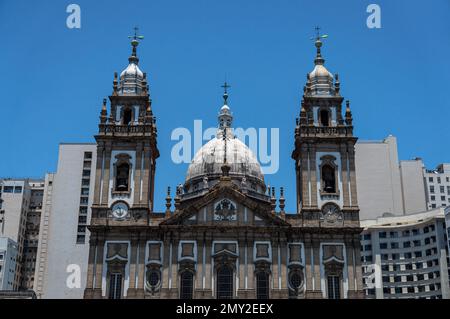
[318,36]
[136,36]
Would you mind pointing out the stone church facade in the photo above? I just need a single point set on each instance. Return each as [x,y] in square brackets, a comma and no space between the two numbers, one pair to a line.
[224,237]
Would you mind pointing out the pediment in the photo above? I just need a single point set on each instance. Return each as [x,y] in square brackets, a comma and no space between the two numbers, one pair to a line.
[225,205]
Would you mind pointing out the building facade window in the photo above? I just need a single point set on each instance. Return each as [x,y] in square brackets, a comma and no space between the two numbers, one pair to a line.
[153,279]
[262,285]
[328,179]
[334,287]
[225,282]
[122,177]
[127,116]
[84,199]
[186,285]
[324,116]
[115,286]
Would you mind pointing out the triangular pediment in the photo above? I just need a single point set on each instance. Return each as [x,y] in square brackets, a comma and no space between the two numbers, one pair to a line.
[225,205]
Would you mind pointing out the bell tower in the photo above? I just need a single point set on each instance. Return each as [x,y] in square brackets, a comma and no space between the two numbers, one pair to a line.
[126,145]
[324,151]
[125,177]
[327,204]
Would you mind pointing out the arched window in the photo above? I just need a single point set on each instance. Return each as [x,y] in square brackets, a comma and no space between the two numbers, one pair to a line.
[328,179]
[122,177]
[186,285]
[127,116]
[225,282]
[262,285]
[324,117]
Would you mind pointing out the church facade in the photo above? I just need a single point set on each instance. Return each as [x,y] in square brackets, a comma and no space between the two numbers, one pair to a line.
[224,237]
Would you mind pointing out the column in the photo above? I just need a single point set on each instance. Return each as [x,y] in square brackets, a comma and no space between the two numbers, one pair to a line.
[349,250]
[309,270]
[275,266]
[106,176]
[91,261]
[146,177]
[353,192]
[133,266]
[313,175]
[99,267]
[141,265]
[316,255]
[199,262]
[344,169]
[98,173]
[137,174]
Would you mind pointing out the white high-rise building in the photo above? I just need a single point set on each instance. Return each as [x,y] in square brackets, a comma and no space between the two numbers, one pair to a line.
[413,186]
[64,238]
[389,187]
[438,186]
[19,220]
[378,178]
[406,257]
[8,260]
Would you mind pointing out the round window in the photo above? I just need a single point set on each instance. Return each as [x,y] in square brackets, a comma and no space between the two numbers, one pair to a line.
[295,280]
[153,278]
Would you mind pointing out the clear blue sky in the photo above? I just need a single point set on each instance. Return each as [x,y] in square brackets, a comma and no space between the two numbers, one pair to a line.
[53,79]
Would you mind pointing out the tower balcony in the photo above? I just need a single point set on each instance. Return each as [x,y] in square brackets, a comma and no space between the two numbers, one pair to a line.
[114,129]
[324,131]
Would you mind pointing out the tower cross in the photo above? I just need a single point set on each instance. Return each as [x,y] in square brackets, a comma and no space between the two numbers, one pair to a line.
[226,87]
[317,28]
[318,35]
[136,36]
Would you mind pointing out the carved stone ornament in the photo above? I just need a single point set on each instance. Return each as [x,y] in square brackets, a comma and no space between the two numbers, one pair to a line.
[225,210]
[331,214]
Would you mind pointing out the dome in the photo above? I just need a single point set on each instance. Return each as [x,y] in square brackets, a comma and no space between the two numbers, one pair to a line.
[320,80]
[320,71]
[132,71]
[210,158]
[205,169]
[132,80]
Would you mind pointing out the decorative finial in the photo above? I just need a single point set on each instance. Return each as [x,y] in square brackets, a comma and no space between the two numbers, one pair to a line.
[282,203]
[225,92]
[103,113]
[318,43]
[225,145]
[337,84]
[115,83]
[348,114]
[225,116]
[168,203]
[273,200]
[134,43]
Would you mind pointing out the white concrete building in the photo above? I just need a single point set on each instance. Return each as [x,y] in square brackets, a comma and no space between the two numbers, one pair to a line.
[413,186]
[438,186]
[389,187]
[406,257]
[8,260]
[378,178]
[64,246]
[447,225]
[42,252]
[19,201]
